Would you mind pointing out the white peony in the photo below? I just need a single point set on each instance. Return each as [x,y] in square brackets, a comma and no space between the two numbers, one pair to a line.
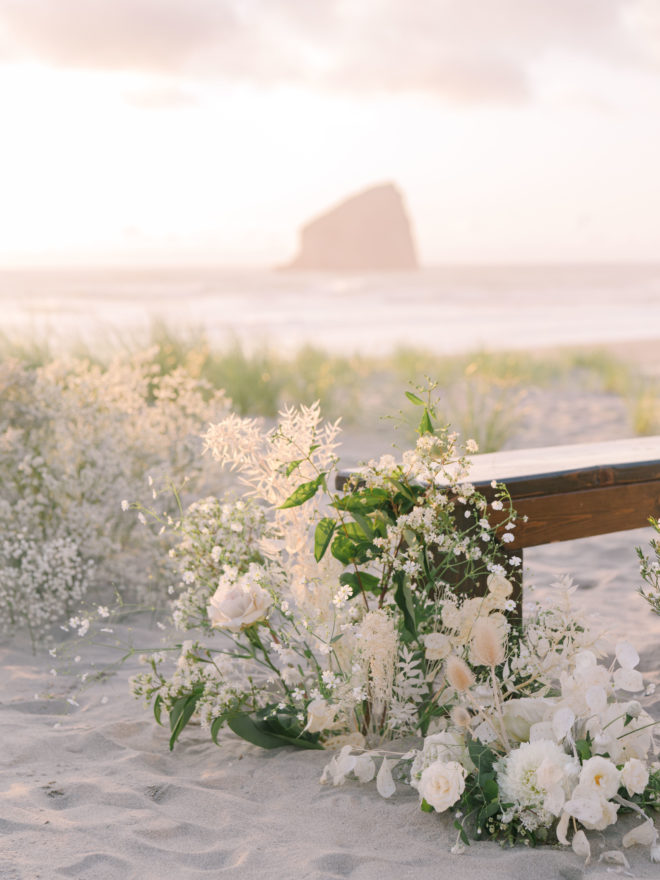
[635,776]
[442,784]
[237,605]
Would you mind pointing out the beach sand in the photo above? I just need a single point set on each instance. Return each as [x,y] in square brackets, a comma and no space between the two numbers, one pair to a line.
[92,792]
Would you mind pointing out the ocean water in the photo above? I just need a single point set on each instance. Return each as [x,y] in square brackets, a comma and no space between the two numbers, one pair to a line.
[446,309]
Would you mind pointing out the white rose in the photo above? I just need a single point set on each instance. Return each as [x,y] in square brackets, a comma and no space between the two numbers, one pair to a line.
[600,776]
[635,776]
[320,716]
[442,784]
[235,607]
[437,646]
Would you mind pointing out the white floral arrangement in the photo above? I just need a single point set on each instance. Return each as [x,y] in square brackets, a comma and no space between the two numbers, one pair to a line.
[76,439]
[349,620]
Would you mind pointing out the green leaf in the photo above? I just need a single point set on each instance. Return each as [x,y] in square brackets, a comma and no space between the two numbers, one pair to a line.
[216,724]
[252,731]
[324,532]
[363,500]
[482,758]
[343,549]
[583,747]
[461,831]
[627,720]
[158,705]
[414,399]
[362,579]
[364,523]
[257,733]
[303,493]
[490,790]
[181,713]
[403,599]
[425,807]
[292,465]
[425,425]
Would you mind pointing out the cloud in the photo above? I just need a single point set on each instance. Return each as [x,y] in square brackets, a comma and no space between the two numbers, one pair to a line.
[462,50]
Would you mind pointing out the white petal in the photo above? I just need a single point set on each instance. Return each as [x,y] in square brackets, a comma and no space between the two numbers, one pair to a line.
[628,680]
[644,834]
[581,847]
[384,782]
[365,768]
[562,828]
[344,763]
[596,698]
[541,730]
[614,857]
[627,655]
[562,721]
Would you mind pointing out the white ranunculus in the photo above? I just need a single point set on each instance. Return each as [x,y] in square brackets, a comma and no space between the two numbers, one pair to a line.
[635,776]
[320,716]
[442,784]
[600,776]
[235,606]
[437,646]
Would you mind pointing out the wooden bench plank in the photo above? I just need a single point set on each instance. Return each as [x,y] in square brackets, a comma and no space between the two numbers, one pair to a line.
[556,469]
[573,491]
[569,515]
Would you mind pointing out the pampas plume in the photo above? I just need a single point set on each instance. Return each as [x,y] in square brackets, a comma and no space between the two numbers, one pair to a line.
[459,675]
[487,644]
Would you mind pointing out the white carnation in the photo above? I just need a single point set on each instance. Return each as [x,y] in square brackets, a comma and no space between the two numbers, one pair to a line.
[537,776]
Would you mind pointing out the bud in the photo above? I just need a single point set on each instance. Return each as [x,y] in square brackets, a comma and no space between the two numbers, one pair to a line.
[459,675]
[487,643]
[461,717]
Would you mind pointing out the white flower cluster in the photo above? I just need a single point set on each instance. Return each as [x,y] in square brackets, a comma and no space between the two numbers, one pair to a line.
[75,440]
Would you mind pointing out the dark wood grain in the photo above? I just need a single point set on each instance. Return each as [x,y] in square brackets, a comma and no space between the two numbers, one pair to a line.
[569,515]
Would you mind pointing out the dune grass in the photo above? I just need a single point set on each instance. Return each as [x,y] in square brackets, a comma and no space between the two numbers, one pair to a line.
[481,392]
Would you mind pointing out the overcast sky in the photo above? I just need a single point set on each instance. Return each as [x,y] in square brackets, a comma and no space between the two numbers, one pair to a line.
[207,131]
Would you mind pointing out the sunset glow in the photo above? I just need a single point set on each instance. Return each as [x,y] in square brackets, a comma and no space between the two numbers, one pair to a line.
[144,132]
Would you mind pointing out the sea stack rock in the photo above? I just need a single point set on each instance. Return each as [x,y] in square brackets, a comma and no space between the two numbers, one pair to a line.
[368,232]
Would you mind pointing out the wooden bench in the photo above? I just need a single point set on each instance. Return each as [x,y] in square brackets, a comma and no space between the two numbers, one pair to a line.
[575,491]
